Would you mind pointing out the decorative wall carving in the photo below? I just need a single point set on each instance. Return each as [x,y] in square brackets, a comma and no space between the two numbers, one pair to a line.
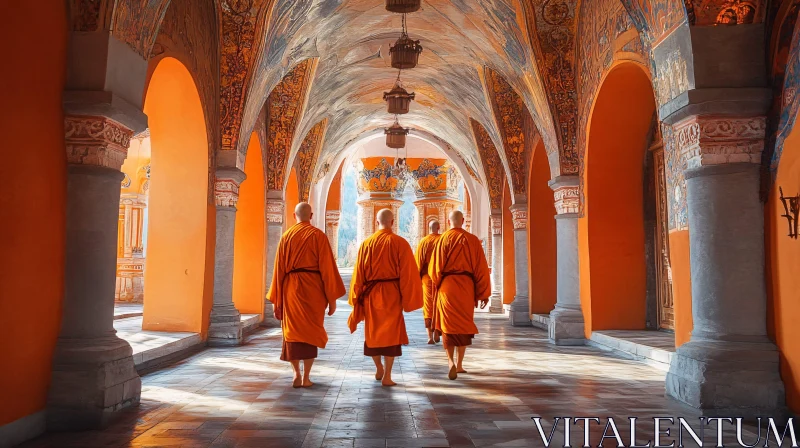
[92,140]
[136,22]
[519,216]
[306,160]
[711,140]
[511,116]
[275,211]
[724,12]
[492,166]
[383,178]
[226,192]
[656,18]
[285,109]
[496,223]
[567,199]
[786,74]
[552,25]
[672,77]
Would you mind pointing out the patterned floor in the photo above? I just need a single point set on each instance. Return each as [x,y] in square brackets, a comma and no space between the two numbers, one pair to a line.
[242,397]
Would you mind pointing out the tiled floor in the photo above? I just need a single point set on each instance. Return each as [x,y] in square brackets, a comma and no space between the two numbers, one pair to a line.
[242,397]
[125,310]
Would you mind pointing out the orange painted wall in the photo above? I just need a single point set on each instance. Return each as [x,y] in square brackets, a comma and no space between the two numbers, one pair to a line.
[509,276]
[176,284]
[783,266]
[249,263]
[541,235]
[34,200]
[292,196]
[334,201]
[681,285]
[613,178]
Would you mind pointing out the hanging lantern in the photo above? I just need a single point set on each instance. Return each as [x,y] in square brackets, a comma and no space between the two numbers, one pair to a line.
[405,53]
[396,136]
[399,99]
[403,6]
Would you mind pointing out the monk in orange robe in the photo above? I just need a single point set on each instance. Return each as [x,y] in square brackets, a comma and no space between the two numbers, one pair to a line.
[305,282]
[385,283]
[424,251]
[459,271]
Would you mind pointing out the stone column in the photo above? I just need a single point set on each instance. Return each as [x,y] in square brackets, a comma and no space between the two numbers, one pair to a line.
[226,324]
[276,209]
[93,370]
[520,312]
[468,221]
[366,220]
[566,320]
[332,230]
[729,365]
[496,299]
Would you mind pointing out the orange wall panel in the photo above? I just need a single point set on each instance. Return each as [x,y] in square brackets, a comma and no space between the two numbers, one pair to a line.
[292,196]
[34,173]
[541,235]
[681,285]
[249,263]
[177,250]
[335,192]
[509,276]
[783,262]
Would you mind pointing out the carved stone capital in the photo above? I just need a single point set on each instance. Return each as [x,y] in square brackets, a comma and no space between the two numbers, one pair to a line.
[96,140]
[717,140]
[519,216]
[566,194]
[276,210]
[332,217]
[496,223]
[226,186]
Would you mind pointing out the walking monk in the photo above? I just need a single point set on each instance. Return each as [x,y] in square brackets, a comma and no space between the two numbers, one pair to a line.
[424,251]
[385,283]
[305,282]
[459,271]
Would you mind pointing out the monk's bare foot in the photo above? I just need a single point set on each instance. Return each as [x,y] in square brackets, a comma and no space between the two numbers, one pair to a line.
[453,373]
[430,342]
[307,382]
[297,382]
[461,370]
[379,374]
[387,382]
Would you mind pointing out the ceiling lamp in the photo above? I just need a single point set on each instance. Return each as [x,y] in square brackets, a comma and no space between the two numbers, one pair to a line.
[399,99]
[405,53]
[403,6]
[396,136]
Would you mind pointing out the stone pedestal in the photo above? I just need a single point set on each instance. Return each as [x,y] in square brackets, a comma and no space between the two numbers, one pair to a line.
[729,367]
[225,328]
[93,371]
[496,299]
[520,310]
[275,216]
[566,320]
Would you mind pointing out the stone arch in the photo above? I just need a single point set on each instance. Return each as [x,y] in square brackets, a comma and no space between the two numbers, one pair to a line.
[612,230]
[180,257]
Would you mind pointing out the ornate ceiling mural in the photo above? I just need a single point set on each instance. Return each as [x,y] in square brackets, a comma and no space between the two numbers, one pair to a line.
[284,111]
[305,162]
[725,12]
[492,166]
[515,126]
[136,22]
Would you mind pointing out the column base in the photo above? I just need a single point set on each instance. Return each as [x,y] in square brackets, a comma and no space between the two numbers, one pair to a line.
[727,378]
[269,316]
[92,380]
[496,304]
[519,313]
[225,329]
[566,327]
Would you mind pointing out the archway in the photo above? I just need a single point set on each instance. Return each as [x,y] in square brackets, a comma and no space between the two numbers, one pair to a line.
[249,263]
[178,282]
[783,263]
[612,233]
[542,250]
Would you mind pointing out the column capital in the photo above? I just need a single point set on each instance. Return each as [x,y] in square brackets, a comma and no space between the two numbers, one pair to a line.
[276,209]
[226,186]
[332,216]
[519,216]
[496,223]
[96,141]
[706,140]
[566,192]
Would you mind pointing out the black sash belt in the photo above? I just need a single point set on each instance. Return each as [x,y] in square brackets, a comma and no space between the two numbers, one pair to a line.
[370,285]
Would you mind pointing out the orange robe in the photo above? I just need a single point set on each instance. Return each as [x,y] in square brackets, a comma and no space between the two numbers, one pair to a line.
[458,267]
[424,251]
[387,279]
[304,296]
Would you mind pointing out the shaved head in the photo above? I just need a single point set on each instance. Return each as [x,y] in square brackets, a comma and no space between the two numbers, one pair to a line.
[433,226]
[456,219]
[385,218]
[303,212]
